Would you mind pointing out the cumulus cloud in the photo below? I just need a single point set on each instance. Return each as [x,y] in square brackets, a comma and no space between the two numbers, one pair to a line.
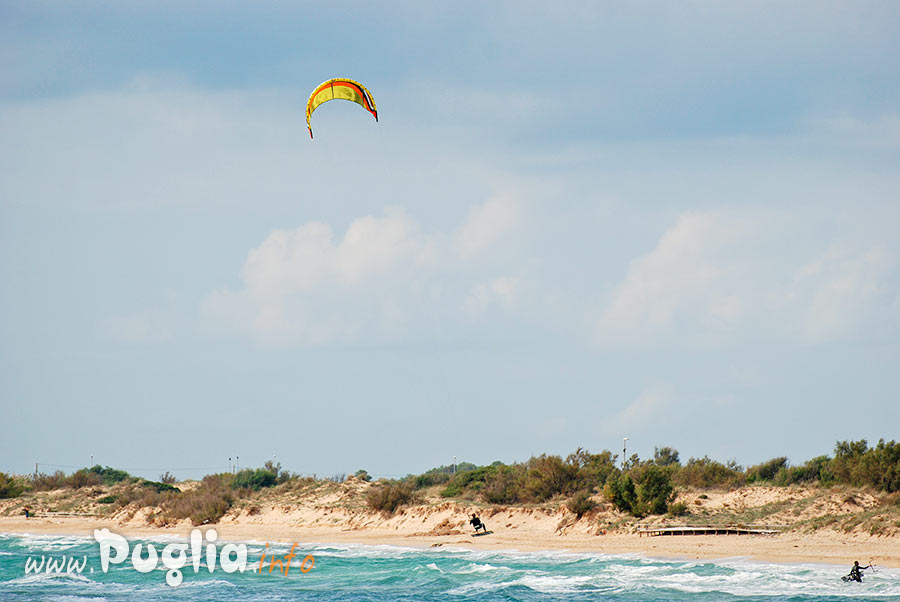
[501,292]
[719,277]
[486,224]
[380,278]
[649,403]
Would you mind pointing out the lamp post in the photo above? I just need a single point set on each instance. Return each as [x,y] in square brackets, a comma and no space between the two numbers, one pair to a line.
[454,465]
[624,446]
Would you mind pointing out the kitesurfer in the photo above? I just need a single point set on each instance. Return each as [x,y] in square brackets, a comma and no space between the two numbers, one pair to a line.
[856,571]
[476,522]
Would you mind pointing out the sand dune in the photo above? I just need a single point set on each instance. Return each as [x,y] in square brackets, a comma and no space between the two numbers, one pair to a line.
[818,525]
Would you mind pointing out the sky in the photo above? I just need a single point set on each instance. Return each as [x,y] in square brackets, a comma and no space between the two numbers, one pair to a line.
[572,223]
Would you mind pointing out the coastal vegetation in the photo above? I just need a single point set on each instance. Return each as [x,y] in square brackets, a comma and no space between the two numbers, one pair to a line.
[582,483]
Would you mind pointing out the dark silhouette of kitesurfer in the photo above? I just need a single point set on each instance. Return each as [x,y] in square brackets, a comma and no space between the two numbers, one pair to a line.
[856,572]
[476,522]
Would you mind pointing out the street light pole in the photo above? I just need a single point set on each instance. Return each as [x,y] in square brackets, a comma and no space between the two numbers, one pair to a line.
[624,445]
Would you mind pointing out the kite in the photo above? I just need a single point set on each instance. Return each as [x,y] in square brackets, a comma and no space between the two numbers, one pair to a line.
[340,88]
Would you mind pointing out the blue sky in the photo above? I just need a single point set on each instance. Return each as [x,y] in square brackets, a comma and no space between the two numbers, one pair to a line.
[572,224]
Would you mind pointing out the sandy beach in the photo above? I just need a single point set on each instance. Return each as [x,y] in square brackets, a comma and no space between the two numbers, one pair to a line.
[531,533]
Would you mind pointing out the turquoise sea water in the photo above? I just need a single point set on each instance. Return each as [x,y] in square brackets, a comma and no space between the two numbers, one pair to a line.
[387,573]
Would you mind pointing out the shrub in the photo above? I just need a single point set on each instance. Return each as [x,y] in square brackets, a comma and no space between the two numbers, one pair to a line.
[504,485]
[108,499]
[362,475]
[621,492]
[654,491]
[855,463]
[678,509]
[580,504]
[442,474]
[109,476]
[665,456]
[167,478]
[388,497]
[471,480]
[704,473]
[592,469]
[254,479]
[158,487]
[641,491]
[817,469]
[83,478]
[9,486]
[205,504]
[767,470]
[45,482]
[548,476]
[281,475]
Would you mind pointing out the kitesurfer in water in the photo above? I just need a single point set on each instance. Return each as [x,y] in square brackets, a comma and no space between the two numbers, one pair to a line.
[856,571]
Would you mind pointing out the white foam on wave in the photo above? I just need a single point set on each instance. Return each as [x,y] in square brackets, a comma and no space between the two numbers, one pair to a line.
[480,568]
[49,578]
[34,542]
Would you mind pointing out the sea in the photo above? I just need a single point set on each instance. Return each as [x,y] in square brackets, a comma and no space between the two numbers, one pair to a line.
[391,573]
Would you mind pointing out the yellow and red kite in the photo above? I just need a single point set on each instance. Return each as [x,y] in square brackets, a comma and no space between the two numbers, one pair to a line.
[343,89]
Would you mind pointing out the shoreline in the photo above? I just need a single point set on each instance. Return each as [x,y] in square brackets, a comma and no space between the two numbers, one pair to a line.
[832,548]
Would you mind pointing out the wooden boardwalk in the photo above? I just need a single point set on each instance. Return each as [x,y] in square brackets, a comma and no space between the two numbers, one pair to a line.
[707,530]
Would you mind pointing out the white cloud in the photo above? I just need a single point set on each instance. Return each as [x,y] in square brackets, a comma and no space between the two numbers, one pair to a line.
[501,292]
[722,277]
[486,224]
[380,279]
[650,404]
[844,292]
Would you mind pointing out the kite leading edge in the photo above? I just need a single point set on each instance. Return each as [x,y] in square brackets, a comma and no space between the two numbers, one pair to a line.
[340,89]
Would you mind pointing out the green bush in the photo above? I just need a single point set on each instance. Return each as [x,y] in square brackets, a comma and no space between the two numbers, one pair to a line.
[109,476]
[580,504]
[816,469]
[157,486]
[646,489]
[592,469]
[548,476]
[505,485]
[678,509]
[766,471]
[254,479]
[442,474]
[9,486]
[621,492]
[108,499]
[654,491]
[469,480]
[665,456]
[857,464]
[704,473]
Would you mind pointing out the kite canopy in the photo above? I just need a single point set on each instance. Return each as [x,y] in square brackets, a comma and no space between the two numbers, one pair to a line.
[343,89]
